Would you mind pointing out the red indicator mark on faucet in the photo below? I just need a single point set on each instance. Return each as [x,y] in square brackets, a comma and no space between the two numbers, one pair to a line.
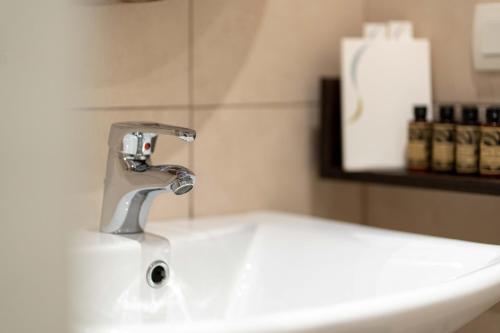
[147,146]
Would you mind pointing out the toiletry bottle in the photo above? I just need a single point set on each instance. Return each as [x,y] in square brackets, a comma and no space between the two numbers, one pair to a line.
[419,140]
[467,141]
[490,143]
[443,140]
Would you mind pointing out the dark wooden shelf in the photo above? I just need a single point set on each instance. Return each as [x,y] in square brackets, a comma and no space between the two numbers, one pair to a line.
[426,180]
[331,157]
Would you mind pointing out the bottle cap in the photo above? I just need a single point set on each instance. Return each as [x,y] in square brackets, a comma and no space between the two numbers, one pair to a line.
[420,112]
[493,114]
[447,113]
[470,114]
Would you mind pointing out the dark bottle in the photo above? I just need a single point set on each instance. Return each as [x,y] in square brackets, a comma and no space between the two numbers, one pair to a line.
[467,141]
[489,164]
[419,140]
[443,140]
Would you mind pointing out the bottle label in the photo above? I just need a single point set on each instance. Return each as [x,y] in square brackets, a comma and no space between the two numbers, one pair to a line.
[418,153]
[443,147]
[467,148]
[490,151]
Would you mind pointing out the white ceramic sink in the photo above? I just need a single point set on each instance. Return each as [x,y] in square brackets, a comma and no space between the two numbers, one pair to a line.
[273,272]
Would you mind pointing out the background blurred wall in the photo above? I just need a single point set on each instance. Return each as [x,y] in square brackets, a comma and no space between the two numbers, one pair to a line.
[245,75]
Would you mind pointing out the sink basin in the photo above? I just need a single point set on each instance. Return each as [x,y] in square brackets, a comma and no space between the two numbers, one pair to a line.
[275,272]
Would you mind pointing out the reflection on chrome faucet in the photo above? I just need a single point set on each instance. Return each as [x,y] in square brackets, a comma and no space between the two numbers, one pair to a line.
[132,182]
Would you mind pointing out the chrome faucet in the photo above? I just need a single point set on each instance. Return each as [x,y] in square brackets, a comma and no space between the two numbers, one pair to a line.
[132,182]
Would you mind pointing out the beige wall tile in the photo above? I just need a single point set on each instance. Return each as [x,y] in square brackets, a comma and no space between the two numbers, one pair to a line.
[448,24]
[447,214]
[342,201]
[135,54]
[168,150]
[253,158]
[268,50]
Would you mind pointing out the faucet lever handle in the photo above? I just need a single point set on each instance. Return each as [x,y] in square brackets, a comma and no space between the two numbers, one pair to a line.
[138,139]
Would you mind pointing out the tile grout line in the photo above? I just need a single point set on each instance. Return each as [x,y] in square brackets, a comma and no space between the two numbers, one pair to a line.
[195,107]
[190,86]
[201,107]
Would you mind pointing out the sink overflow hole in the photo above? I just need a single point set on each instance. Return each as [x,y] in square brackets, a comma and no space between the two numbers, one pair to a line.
[157,275]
